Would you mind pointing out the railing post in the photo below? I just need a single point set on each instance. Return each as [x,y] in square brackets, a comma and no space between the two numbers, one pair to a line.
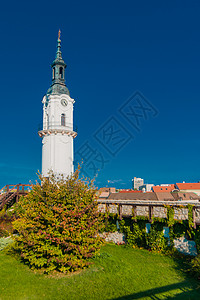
[120,211]
[22,188]
[17,196]
[134,212]
[7,187]
[150,213]
[194,216]
[107,208]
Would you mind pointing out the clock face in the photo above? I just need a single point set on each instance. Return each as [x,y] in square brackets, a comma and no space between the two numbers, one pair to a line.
[64,102]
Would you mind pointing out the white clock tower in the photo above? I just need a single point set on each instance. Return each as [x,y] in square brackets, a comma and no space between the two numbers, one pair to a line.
[57,133]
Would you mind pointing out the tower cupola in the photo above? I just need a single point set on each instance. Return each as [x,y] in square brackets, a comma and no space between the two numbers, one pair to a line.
[58,85]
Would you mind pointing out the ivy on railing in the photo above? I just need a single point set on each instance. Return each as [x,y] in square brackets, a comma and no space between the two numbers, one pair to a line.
[190,215]
[170,215]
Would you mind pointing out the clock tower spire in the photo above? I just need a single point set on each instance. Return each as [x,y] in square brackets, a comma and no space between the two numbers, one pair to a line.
[57,132]
[58,72]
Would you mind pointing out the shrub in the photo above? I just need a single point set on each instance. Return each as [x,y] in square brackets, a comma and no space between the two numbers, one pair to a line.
[110,222]
[135,237]
[6,220]
[58,225]
[156,241]
[197,240]
[179,229]
[195,266]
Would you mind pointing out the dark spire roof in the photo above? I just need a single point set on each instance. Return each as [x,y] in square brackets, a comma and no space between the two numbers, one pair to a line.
[58,72]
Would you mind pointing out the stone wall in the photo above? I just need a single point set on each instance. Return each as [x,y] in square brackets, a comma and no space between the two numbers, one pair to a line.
[127,210]
[160,212]
[180,213]
[185,246]
[197,213]
[140,208]
[142,211]
[102,208]
[115,237]
[181,244]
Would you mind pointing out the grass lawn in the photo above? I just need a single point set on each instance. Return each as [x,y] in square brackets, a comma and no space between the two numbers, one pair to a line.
[119,273]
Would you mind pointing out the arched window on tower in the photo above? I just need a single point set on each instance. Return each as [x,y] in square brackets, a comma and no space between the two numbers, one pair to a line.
[63,120]
[54,72]
[61,73]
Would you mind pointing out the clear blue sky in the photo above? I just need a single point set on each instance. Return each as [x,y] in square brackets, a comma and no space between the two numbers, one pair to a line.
[112,49]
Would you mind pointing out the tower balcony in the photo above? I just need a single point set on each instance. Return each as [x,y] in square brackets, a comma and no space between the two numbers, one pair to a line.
[55,128]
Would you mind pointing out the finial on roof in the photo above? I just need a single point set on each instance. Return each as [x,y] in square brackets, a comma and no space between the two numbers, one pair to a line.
[58,53]
[59,32]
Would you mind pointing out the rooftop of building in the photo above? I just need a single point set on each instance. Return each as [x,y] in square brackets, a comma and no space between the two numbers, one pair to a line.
[133,196]
[188,186]
[185,196]
[163,188]
[130,191]
[151,196]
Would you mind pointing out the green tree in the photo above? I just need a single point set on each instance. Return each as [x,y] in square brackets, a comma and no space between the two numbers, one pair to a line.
[58,224]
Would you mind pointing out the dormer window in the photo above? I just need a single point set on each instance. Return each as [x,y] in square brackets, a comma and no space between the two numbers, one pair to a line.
[63,120]
[61,73]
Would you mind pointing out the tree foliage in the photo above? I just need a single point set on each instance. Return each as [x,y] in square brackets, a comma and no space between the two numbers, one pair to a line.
[6,219]
[58,224]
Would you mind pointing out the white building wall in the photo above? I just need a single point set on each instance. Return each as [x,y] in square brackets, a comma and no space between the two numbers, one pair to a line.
[57,147]
[57,154]
[137,182]
[147,187]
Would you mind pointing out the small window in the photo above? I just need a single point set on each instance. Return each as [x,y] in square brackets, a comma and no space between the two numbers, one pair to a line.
[61,72]
[63,120]
[54,72]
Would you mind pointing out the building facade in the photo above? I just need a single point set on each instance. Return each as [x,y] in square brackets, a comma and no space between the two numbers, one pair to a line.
[137,182]
[57,132]
[146,187]
[189,187]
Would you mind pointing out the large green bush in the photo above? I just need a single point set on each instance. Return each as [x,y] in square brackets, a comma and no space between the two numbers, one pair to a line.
[58,225]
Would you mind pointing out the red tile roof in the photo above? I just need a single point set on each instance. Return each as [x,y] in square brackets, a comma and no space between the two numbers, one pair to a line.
[164,188]
[188,186]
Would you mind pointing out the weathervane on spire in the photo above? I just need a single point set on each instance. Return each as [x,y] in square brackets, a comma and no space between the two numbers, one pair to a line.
[59,32]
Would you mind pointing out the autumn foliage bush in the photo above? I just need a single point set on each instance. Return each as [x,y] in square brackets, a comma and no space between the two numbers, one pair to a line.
[58,225]
[6,219]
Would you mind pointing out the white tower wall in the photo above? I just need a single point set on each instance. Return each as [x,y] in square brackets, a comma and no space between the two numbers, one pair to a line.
[57,132]
[57,154]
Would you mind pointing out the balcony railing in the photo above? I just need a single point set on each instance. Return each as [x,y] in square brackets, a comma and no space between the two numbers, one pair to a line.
[57,125]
